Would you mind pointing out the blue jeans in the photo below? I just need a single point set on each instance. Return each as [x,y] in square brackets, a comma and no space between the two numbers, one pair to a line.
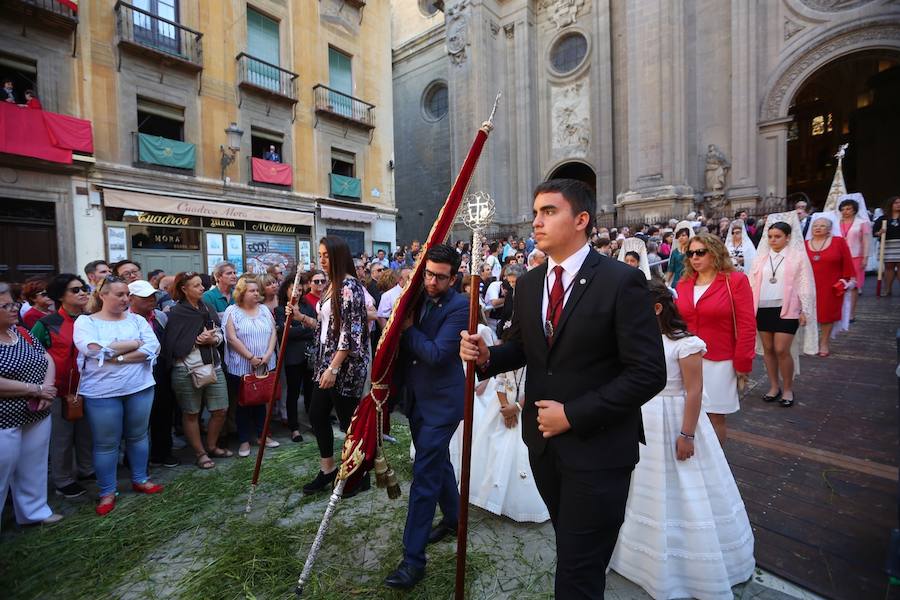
[111,419]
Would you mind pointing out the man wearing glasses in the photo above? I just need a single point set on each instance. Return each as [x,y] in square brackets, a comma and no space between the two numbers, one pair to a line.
[434,404]
[317,288]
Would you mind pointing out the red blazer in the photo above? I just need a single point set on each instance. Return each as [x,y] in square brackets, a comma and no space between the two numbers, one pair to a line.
[712,321]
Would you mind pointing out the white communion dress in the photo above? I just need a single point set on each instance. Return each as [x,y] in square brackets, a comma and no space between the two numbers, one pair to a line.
[500,479]
[686,533]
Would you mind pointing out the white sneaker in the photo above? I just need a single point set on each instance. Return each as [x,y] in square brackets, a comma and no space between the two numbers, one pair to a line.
[52,519]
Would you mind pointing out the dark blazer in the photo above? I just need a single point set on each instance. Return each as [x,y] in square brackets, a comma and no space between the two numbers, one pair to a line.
[605,362]
[432,369]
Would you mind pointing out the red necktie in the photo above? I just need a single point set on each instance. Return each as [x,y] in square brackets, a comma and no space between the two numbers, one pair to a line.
[557,295]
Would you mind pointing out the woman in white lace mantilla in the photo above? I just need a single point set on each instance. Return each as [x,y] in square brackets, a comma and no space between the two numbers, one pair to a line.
[784,297]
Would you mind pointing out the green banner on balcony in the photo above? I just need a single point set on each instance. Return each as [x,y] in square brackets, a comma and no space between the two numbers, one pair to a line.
[348,187]
[168,153]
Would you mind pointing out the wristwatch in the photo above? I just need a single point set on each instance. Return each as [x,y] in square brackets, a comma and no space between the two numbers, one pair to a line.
[334,371]
[120,358]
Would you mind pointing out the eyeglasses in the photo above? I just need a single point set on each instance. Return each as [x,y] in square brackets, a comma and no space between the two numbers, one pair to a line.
[78,289]
[129,273]
[698,253]
[436,276]
[11,306]
[318,281]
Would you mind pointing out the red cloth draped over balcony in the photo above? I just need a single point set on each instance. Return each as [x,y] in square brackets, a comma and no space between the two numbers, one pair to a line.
[73,4]
[267,171]
[41,134]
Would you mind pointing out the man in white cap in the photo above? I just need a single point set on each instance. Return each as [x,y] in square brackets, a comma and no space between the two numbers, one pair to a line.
[143,303]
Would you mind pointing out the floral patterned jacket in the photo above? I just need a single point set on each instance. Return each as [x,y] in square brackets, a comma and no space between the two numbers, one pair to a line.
[354,337]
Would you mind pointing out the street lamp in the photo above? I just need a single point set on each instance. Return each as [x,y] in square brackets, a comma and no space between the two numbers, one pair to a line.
[234,134]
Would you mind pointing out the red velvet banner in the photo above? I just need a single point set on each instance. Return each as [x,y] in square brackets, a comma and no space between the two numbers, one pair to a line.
[69,133]
[267,171]
[23,132]
[73,4]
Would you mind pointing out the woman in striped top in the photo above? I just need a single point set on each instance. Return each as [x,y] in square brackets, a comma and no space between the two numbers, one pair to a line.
[250,345]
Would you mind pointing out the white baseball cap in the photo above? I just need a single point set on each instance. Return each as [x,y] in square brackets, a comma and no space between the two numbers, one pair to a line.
[141,288]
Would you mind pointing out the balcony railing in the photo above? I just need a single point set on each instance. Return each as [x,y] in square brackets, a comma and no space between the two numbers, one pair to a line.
[346,108]
[51,12]
[140,29]
[262,76]
[345,187]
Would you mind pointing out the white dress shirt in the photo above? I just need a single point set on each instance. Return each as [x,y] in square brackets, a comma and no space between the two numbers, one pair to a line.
[570,266]
[386,305]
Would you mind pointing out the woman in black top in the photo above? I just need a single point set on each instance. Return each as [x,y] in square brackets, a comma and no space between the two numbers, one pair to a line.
[296,368]
[891,219]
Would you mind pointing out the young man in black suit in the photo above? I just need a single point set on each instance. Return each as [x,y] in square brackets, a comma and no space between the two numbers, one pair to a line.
[585,327]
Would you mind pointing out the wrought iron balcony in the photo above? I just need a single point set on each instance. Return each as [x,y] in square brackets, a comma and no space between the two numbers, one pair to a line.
[264,77]
[343,107]
[141,30]
[43,12]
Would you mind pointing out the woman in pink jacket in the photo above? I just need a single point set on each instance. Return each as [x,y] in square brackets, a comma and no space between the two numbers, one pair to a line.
[784,298]
[856,230]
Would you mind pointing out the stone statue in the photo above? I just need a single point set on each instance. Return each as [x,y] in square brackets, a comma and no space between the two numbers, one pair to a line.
[716,168]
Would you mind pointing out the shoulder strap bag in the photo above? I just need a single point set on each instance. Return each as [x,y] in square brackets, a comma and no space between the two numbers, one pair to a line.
[741,381]
[73,403]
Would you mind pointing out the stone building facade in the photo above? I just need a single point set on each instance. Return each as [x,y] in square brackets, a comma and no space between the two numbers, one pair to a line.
[160,82]
[661,105]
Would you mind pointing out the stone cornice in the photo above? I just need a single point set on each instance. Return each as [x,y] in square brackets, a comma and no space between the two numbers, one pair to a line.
[420,43]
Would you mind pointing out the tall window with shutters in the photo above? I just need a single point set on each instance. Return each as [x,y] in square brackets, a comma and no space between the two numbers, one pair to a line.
[152,31]
[340,79]
[263,44]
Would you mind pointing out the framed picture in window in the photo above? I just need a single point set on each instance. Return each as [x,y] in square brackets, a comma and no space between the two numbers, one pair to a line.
[386,246]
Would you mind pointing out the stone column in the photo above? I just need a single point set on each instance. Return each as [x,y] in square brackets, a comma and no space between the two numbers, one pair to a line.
[603,124]
[772,149]
[743,185]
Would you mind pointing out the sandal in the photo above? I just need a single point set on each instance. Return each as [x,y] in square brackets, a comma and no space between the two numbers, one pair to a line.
[221,452]
[775,398]
[204,464]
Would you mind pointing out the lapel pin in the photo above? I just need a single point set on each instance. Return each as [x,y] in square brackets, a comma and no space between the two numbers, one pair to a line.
[583,281]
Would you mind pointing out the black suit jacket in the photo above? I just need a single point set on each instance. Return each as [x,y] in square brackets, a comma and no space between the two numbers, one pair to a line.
[605,362]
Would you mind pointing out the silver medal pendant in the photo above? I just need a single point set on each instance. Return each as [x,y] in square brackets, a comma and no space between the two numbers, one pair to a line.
[548,328]
[816,258]
[773,280]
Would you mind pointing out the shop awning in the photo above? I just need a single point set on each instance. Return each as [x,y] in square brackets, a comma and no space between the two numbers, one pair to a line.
[43,134]
[202,208]
[347,214]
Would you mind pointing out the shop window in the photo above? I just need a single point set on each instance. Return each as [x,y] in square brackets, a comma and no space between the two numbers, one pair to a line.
[21,72]
[163,120]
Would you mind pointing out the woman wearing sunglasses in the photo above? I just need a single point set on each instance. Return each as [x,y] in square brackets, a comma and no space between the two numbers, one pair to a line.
[716,302]
[117,350]
[35,293]
[70,441]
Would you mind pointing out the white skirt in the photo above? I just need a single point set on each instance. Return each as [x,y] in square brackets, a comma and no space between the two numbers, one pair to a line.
[720,395]
[500,479]
[686,532]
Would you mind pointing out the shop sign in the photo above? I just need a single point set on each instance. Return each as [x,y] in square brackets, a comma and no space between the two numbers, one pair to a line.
[164,238]
[271,227]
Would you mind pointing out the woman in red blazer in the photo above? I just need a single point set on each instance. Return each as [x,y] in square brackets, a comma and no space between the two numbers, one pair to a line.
[717,304]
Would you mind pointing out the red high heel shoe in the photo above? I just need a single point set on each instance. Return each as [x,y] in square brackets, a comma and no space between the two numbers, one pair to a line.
[148,487]
[104,508]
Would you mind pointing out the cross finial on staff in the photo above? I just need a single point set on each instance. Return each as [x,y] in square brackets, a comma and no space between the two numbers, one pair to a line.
[478,214]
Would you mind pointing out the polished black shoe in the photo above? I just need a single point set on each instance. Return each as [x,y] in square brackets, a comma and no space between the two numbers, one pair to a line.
[170,462]
[405,576]
[320,483]
[73,490]
[363,486]
[439,532]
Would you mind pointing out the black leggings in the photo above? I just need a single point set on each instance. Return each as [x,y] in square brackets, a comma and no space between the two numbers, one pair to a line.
[298,378]
[320,416]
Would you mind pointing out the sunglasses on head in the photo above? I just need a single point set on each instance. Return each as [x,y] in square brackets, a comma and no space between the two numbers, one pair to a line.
[698,253]
[111,279]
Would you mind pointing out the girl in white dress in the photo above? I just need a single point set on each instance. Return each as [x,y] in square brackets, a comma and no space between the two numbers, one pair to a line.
[686,533]
[500,479]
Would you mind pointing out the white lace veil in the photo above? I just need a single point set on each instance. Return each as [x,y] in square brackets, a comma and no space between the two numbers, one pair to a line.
[634,244]
[828,216]
[684,225]
[807,338]
[748,250]
[863,213]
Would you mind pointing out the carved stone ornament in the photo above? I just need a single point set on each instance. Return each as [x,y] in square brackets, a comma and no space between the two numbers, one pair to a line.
[510,30]
[571,120]
[792,28]
[834,5]
[871,35]
[562,12]
[717,166]
[457,32]
[495,28]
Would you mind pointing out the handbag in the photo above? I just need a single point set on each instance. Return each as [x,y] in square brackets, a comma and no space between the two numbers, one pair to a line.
[741,380]
[838,289]
[73,404]
[258,389]
[202,374]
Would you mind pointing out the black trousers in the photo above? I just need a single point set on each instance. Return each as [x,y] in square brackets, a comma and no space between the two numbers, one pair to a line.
[161,416]
[299,378]
[587,508]
[320,416]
